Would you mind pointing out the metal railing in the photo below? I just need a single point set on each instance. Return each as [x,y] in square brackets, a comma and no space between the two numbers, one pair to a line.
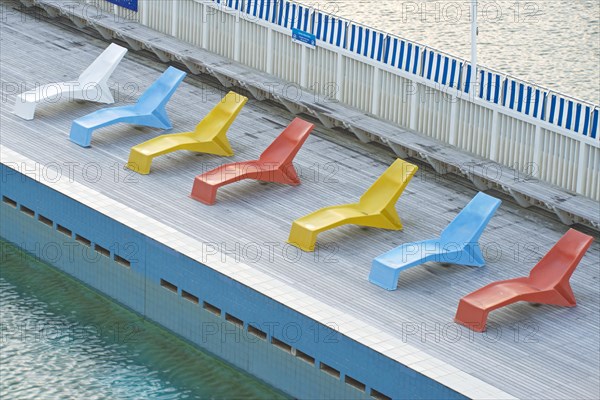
[517,123]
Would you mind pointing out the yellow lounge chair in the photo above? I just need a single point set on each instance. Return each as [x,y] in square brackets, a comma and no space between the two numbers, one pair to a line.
[210,136]
[376,208]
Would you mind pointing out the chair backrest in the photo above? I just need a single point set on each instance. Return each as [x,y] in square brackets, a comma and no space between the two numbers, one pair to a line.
[388,187]
[159,93]
[221,117]
[470,223]
[285,147]
[562,259]
[102,68]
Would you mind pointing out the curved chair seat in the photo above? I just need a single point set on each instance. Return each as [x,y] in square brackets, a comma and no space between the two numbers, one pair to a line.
[457,244]
[547,283]
[273,165]
[332,217]
[107,116]
[54,92]
[149,110]
[209,136]
[376,208]
[91,85]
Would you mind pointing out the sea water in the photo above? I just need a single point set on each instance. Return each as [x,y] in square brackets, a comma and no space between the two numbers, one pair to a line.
[62,340]
[554,43]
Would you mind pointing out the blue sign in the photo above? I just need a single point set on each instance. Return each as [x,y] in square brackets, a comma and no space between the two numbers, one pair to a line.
[305,38]
[128,4]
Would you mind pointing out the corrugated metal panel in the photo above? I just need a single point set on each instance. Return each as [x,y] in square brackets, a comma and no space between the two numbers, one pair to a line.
[396,95]
[188,28]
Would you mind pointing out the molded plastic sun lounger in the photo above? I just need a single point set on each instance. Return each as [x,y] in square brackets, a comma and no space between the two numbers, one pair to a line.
[148,111]
[210,136]
[547,283]
[273,165]
[376,208]
[91,85]
[458,244]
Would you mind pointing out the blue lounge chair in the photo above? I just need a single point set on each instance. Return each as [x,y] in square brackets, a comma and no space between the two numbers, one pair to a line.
[458,244]
[149,110]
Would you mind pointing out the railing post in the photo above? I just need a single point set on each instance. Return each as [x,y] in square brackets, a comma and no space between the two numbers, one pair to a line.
[453,112]
[582,167]
[205,25]
[175,18]
[270,51]
[376,100]
[303,69]
[339,78]
[495,136]
[145,12]
[414,110]
[237,45]
[537,150]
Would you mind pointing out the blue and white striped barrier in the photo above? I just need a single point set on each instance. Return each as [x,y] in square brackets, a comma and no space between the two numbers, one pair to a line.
[292,15]
[442,69]
[263,9]
[403,55]
[524,98]
[330,29]
[365,41]
[573,116]
[448,71]
[490,86]
[233,4]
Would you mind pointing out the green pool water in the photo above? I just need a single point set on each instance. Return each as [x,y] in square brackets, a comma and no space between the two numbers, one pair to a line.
[61,340]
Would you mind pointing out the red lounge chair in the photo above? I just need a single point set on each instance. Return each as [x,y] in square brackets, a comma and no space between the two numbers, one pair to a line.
[274,165]
[547,283]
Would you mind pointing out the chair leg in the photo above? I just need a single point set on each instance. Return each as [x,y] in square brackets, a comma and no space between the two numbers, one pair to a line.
[105,96]
[391,218]
[223,145]
[161,119]
[384,276]
[24,109]
[204,192]
[383,220]
[80,135]
[284,174]
[302,238]
[139,162]
[561,296]
[470,255]
[290,172]
[566,292]
[471,316]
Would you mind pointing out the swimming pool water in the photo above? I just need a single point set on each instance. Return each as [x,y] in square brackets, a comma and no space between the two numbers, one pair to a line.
[60,339]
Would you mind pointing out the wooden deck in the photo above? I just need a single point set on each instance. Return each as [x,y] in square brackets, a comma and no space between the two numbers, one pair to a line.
[532,352]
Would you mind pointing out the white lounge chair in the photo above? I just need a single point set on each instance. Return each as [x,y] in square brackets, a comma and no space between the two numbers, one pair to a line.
[91,85]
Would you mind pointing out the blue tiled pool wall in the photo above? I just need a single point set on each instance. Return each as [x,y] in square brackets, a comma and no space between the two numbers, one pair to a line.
[245,328]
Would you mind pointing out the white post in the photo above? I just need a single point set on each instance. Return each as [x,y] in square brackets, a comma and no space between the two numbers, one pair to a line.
[270,51]
[474,31]
[453,118]
[537,150]
[175,18]
[339,76]
[144,11]
[495,137]
[582,168]
[376,100]
[304,67]
[237,33]
[416,99]
[204,25]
